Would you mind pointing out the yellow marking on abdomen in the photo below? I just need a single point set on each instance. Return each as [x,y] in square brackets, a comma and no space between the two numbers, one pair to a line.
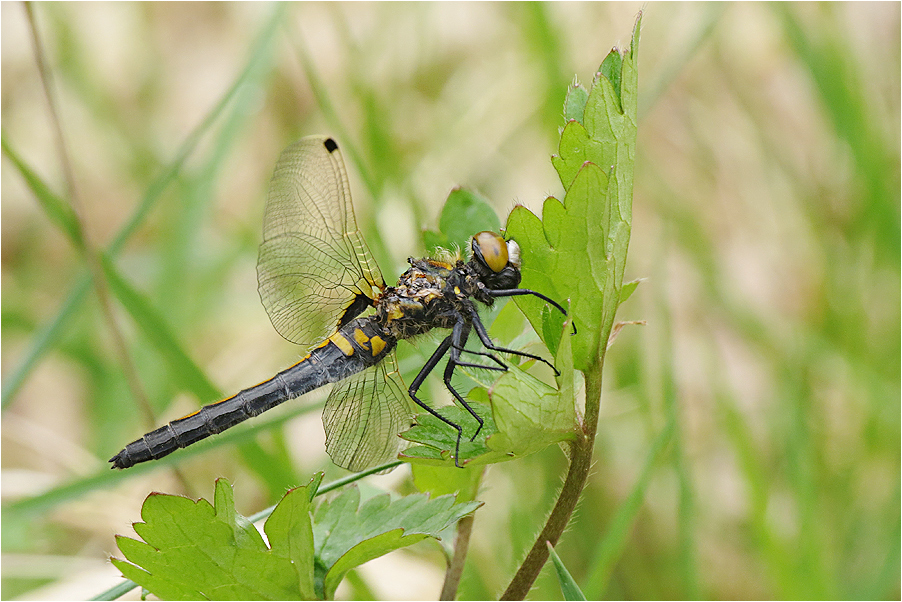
[342,343]
[361,337]
[378,345]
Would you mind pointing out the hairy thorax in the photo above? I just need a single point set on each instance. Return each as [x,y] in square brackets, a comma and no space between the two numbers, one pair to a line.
[427,296]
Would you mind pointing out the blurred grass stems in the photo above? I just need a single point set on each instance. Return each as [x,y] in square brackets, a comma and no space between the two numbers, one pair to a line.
[151,322]
[242,436]
[50,334]
[144,314]
[78,236]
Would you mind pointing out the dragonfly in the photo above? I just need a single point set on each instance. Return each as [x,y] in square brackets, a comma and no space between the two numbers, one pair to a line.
[323,290]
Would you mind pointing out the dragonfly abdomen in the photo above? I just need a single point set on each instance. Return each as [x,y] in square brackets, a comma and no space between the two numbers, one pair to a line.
[358,345]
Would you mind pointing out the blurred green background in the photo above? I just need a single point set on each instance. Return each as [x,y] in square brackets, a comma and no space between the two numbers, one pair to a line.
[749,444]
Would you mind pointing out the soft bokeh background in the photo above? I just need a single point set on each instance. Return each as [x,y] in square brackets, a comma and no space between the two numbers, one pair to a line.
[750,439]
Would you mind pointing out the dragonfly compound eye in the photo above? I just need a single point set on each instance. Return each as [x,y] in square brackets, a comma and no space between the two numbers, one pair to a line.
[490,249]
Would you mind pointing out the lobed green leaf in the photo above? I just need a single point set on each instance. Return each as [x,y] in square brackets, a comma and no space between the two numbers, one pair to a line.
[577,251]
[195,550]
[347,537]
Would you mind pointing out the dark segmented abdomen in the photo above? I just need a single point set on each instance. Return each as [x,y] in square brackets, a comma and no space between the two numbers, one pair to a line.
[339,356]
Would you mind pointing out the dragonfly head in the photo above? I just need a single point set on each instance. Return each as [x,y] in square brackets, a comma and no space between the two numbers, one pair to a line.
[496,261]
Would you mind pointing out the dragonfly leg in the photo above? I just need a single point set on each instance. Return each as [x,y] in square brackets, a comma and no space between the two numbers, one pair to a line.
[501,367]
[433,361]
[460,344]
[487,341]
[516,292]
[459,335]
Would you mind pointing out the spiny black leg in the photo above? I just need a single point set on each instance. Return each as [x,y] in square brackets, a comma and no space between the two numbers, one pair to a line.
[415,386]
[516,292]
[501,367]
[487,341]
[459,335]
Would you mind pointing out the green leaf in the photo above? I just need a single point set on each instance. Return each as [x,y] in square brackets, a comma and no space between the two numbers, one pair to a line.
[575,148]
[611,68]
[160,586]
[439,480]
[193,550]
[575,103]
[437,440]
[589,232]
[374,547]
[465,213]
[290,533]
[526,416]
[57,209]
[347,537]
[569,588]
[432,241]
[529,414]
[628,289]
[508,325]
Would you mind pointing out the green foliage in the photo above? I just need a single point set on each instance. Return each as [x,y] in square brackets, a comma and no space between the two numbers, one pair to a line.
[464,213]
[194,550]
[437,480]
[56,208]
[526,416]
[347,537]
[435,440]
[530,414]
[569,588]
[589,232]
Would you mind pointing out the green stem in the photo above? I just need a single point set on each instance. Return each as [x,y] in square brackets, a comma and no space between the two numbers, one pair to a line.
[456,566]
[580,462]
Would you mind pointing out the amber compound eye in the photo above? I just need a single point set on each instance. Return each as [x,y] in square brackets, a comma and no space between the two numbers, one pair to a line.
[491,250]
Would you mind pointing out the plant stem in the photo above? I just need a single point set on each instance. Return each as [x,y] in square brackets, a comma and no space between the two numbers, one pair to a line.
[456,567]
[580,462]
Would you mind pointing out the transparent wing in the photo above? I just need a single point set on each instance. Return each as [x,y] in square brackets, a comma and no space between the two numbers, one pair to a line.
[363,416]
[313,262]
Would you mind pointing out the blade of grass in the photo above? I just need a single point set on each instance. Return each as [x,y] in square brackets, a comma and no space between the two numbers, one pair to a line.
[155,328]
[543,41]
[675,63]
[611,546]
[336,123]
[827,55]
[50,335]
[106,477]
[569,588]
[57,210]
